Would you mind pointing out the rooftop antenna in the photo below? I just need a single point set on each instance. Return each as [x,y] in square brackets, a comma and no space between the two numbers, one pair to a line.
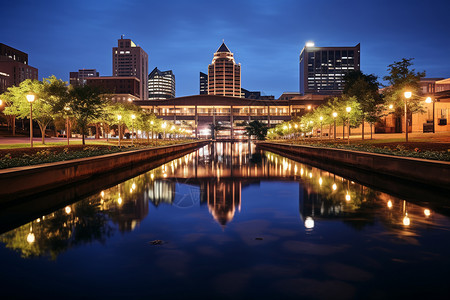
[122,36]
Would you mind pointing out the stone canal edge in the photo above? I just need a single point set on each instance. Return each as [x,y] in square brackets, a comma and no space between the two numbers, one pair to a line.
[28,180]
[429,172]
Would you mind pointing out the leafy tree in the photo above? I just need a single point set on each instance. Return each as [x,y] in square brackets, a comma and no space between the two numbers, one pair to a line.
[365,89]
[402,78]
[258,129]
[86,104]
[43,105]
[214,128]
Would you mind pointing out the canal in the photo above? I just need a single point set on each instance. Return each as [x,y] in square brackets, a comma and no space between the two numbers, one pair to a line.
[230,222]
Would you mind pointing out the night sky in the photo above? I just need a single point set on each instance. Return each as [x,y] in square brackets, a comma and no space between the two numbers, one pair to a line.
[265,36]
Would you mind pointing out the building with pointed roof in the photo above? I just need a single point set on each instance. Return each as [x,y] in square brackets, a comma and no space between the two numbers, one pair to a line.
[161,84]
[224,74]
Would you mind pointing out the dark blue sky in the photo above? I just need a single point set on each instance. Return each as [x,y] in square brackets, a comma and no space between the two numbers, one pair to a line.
[265,36]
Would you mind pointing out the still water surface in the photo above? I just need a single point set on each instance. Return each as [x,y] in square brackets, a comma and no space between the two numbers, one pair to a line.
[226,222]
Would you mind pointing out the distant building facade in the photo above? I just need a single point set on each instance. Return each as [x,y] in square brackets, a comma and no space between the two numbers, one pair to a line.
[131,60]
[14,67]
[120,89]
[203,83]
[322,69]
[255,95]
[224,75]
[428,85]
[80,77]
[161,84]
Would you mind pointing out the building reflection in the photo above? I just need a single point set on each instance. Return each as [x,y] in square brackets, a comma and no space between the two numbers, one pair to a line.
[214,176]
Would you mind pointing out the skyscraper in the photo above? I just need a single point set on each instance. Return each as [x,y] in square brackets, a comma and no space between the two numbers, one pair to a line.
[203,83]
[79,78]
[131,60]
[224,75]
[322,68]
[161,85]
[14,67]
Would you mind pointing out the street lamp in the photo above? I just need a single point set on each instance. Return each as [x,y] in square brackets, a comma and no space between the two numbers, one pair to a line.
[348,109]
[132,128]
[428,100]
[407,96]
[334,116]
[67,108]
[30,98]
[119,117]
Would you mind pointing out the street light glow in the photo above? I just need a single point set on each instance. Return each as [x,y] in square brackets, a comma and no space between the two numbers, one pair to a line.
[428,100]
[334,114]
[133,117]
[348,109]
[30,97]
[408,95]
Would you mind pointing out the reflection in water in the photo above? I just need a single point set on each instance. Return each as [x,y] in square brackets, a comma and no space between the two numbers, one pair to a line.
[214,175]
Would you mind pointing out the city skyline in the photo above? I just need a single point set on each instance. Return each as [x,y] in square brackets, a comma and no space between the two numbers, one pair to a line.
[266,37]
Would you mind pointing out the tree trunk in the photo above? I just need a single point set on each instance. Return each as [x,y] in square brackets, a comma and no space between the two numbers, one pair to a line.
[362,129]
[82,135]
[343,131]
[42,128]
[371,137]
[14,125]
[97,133]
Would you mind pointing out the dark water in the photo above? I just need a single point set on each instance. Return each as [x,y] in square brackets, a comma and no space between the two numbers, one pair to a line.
[223,223]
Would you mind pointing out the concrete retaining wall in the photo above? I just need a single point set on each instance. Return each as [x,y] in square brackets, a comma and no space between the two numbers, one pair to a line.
[433,173]
[23,181]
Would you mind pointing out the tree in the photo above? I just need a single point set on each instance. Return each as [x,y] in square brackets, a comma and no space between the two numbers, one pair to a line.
[43,105]
[401,78]
[86,104]
[258,129]
[365,89]
[214,128]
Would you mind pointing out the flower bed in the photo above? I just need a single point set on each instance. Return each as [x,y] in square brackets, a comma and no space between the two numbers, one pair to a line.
[19,157]
[434,151]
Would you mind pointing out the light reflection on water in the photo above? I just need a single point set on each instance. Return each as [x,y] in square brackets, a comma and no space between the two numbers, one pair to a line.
[246,223]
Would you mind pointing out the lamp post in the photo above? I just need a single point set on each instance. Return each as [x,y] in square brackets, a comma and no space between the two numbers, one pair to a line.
[348,109]
[321,119]
[407,96]
[132,127]
[30,99]
[67,108]
[428,100]
[334,117]
[119,117]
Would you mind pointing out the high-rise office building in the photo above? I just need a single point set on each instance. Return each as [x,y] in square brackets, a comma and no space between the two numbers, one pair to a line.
[131,60]
[80,77]
[14,67]
[161,84]
[322,69]
[224,75]
[203,83]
